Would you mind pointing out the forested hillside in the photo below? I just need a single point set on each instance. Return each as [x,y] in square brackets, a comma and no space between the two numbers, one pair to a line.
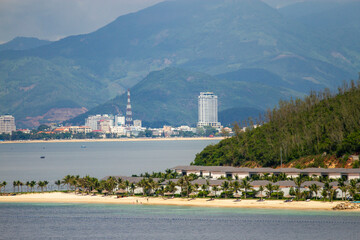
[321,124]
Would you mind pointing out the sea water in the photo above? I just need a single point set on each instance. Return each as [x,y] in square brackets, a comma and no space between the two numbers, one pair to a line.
[22,161]
[93,221]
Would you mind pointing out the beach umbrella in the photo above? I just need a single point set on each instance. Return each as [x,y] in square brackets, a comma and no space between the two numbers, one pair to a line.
[211,195]
[237,195]
[104,191]
[94,191]
[193,194]
[288,196]
[260,195]
[168,194]
[120,191]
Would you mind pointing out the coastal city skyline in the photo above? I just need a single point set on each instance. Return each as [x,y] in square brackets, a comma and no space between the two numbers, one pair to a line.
[122,126]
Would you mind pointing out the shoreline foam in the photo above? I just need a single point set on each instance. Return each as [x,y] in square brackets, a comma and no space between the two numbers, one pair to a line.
[60,197]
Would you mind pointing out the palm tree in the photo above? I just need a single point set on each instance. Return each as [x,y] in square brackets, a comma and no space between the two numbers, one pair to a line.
[27,184]
[4,185]
[314,188]
[332,194]
[66,181]
[352,188]
[328,188]
[58,183]
[343,189]
[41,185]
[127,185]
[45,185]
[236,186]
[215,189]
[245,184]
[32,185]
[298,181]
[14,185]
[185,182]
[225,186]
[324,194]
[132,187]
[270,189]
[21,184]
[261,189]
[144,185]
[276,189]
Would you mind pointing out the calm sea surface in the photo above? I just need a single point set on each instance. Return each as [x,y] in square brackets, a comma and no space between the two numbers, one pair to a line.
[71,221]
[98,159]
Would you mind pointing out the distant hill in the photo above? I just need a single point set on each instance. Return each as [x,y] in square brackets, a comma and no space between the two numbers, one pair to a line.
[211,37]
[321,125]
[23,43]
[171,95]
[234,115]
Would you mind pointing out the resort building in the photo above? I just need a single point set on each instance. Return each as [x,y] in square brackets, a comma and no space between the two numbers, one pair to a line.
[215,172]
[208,110]
[7,124]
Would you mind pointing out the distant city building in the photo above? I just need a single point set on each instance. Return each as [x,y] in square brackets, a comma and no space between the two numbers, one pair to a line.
[93,121]
[208,110]
[105,125]
[137,123]
[7,124]
[128,119]
[119,120]
[27,131]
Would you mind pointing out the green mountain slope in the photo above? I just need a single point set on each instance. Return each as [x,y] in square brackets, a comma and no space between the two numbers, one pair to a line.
[171,95]
[321,123]
[212,37]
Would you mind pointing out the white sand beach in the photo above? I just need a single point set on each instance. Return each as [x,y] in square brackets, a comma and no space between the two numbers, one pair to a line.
[60,197]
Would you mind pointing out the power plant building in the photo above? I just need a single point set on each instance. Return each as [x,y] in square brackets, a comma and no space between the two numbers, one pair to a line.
[208,110]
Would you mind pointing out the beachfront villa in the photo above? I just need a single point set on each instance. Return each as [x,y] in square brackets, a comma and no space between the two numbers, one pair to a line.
[216,172]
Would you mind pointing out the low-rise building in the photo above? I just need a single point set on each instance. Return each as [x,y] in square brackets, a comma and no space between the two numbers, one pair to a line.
[215,172]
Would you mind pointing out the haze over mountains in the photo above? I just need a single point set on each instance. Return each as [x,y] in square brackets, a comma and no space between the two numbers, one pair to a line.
[247,52]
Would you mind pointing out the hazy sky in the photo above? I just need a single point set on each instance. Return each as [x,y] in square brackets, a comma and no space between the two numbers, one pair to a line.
[55,19]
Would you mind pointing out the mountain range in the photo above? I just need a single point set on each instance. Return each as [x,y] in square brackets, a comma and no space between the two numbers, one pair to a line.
[246,51]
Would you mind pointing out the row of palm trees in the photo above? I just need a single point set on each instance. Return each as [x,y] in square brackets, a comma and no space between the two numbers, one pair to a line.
[228,188]
[30,186]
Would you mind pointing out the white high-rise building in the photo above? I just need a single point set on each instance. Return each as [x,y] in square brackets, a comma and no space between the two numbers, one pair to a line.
[7,124]
[208,110]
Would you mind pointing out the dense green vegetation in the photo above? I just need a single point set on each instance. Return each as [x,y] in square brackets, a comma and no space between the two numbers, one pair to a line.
[210,36]
[322,123]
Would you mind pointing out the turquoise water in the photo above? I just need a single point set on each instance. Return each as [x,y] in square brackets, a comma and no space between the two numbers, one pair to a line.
[87,221]
[98,159]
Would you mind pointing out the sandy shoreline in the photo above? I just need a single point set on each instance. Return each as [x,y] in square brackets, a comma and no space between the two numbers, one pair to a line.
[59,197]
[113,140]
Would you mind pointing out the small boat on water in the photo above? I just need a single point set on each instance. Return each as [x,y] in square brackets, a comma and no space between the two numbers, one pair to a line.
[83,146]
[42,157]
